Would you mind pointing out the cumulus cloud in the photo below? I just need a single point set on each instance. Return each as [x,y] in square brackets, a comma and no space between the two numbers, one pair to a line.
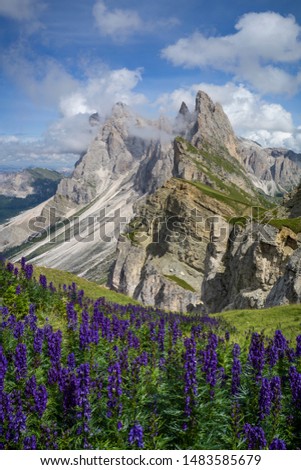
[101,91]
[119,24]
[251,116]
[21,10]
[49,85]
[263,44]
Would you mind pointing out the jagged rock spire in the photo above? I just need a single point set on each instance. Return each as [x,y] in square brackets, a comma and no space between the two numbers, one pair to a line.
[184,109]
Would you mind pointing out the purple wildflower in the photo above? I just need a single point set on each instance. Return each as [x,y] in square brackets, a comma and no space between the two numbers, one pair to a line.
[236,370]
[265,399]
[119,425]
[82,396]
[53,375]
[17,418]
[3,368]
[28,271]
[55,347]
[43,281]
[20,361]
[136,435]
[133,340]
[295,383]
[209,361]
[256,354]
[40,399]
[38,341]
[276,393]
[30,443]
[10,267]
[30,387]
[190,366]
[161,334]
[19,329]
[84,331]
[71,316]
[23,263]
[18,289]
[31,318]
[280,342]
[277,444]
[71,361]
[255,437]
[114,387]
[298,346]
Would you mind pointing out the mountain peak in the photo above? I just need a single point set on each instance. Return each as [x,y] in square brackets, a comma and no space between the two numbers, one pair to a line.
[203,103]
[212,126]
[183,109]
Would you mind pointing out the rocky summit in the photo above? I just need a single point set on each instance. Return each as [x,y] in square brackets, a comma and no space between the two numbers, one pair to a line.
[184,216]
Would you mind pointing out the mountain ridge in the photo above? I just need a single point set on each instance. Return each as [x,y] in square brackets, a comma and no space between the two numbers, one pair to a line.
[133,160]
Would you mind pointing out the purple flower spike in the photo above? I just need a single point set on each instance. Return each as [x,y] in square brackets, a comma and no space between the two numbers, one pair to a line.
[256,354]
[265,399]
[136,435]
[3,368]
[43,281]
[30,443]
[190,380]
[20,361]
[277,444]
[236,373]
[255,437]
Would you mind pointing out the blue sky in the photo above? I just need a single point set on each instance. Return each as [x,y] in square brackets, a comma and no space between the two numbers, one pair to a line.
[61,60]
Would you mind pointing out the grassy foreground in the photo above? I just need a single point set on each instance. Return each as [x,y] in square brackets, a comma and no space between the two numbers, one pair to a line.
[76,373]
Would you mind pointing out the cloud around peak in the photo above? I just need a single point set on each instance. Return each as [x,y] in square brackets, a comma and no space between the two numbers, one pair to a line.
[263,52]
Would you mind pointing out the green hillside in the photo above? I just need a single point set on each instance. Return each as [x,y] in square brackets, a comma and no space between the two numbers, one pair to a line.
[286,318]
[92,290]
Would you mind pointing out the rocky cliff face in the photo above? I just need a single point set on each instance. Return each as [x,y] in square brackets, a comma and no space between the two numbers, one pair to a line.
[197,242]
[243,275]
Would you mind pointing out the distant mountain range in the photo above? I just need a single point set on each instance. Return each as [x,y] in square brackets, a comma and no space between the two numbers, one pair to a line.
[23,190]
[198,208]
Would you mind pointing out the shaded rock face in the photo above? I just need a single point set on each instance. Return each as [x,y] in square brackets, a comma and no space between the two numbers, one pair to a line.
[287,289]
[161,260]
[244,274]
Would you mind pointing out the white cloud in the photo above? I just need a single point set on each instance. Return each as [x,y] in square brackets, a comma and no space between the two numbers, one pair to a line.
[263,42]
[48,84]
[60,145]
[21,10]
[251,117]
[43,79]
[119,24]
[101,91]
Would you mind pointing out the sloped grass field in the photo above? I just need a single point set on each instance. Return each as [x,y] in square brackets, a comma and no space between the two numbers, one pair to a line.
[92,289]
[77,373]
[286,318]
